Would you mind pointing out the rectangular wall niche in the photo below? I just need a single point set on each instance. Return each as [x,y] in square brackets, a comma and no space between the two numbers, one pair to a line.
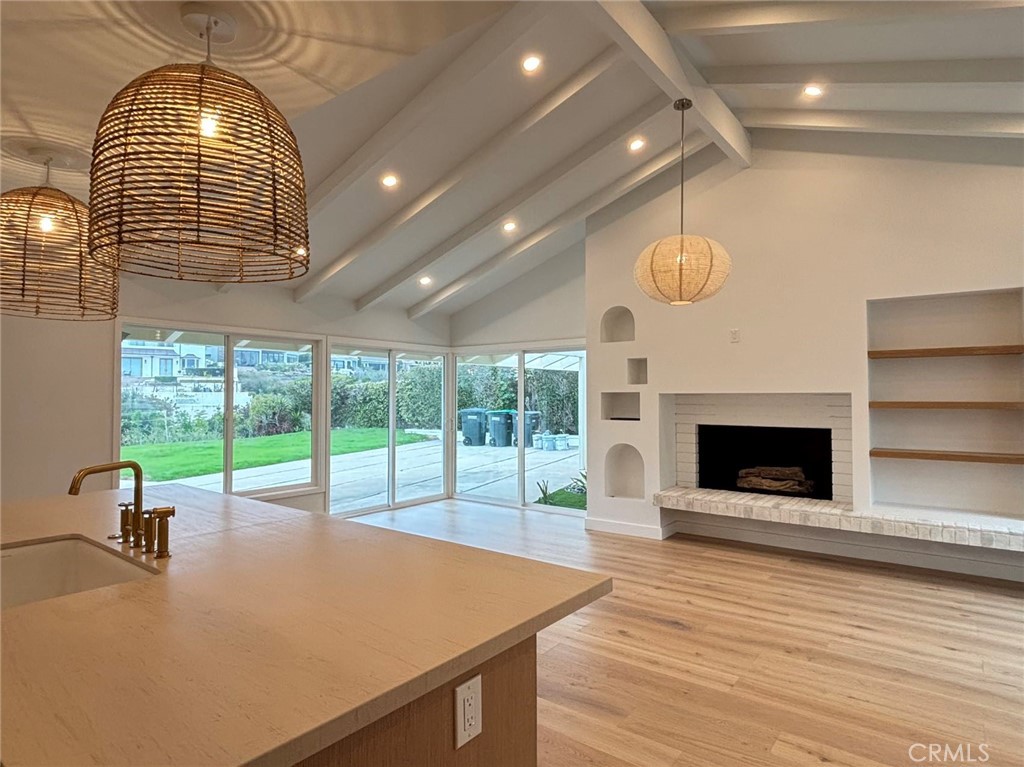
[795,462]
[620,406]
[636,370]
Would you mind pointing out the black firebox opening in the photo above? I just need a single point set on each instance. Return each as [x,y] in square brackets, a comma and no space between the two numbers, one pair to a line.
[776,460]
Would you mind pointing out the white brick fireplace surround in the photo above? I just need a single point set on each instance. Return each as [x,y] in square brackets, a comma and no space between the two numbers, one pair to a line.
[814,411]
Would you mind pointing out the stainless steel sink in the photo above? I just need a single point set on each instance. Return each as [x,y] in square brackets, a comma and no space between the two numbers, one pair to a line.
[37,570]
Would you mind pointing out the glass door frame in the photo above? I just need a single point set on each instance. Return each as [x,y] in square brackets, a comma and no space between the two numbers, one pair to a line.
[520,351]
[319,346]
[392,351]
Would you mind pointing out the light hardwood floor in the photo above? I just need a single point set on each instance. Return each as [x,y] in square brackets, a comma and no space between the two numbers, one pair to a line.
[710,655]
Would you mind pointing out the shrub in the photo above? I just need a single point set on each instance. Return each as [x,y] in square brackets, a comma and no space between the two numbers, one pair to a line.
[369,406]
[419,397]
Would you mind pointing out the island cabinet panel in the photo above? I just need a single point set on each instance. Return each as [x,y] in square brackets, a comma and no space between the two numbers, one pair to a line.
[422,733]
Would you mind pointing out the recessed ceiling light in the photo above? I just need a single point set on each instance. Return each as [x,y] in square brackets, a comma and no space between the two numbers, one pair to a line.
[636,144]
[531,64]
[389,181]
[813,91]
[509,226]
[425,280]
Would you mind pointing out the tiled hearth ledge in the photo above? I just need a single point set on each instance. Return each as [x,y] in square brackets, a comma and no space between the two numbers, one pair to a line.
[963,528]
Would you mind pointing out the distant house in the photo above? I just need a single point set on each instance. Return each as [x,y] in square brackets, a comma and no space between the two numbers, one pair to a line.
[149,360]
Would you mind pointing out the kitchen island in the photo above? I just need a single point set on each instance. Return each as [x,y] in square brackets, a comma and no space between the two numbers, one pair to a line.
[274,637]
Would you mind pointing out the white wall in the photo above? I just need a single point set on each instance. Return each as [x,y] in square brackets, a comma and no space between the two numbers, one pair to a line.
[545,304]
[817,226]
[59,382]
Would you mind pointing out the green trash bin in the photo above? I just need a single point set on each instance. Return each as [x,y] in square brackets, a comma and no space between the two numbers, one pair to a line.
[474,425]
[500,424]
[532,418]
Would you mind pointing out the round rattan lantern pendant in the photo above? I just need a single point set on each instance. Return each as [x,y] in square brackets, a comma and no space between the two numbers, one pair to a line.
[683,268]
[45,269]
[196,175]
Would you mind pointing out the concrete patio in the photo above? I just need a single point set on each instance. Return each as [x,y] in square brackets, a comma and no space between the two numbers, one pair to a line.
[359,480]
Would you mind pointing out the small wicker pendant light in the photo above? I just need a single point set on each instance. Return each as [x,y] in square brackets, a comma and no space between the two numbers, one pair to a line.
[45,269]
[684,268]
[196,175]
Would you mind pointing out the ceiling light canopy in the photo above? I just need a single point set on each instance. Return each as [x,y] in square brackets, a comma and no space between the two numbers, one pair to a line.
[532,63]
[196,175]
[45,269]
[682,269]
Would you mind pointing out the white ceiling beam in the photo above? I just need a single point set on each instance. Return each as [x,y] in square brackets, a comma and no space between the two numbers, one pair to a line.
[640,35]
[575,214]
[501,35]
[943,72]
[742,18]
[491,149]
[913,123]
[616,134]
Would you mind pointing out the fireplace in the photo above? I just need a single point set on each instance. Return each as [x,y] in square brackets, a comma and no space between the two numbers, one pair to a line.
[794,462]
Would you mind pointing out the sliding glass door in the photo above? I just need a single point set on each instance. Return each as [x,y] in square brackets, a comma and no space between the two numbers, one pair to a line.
[272,414]
[554,407]
[486,420]
[183,391]
[520,428]
[172,404]
[359,444]
[419,426]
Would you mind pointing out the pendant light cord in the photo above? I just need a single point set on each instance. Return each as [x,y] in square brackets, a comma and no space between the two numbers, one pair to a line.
[46,164]
[682,176]
[209,34]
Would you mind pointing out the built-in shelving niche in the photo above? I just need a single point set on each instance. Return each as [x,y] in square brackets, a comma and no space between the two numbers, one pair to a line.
[620,406]
[636,370]
[947,401]
[618,325]
[623,472]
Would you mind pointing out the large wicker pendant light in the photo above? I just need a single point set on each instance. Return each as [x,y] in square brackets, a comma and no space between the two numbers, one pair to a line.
[684,268]
[45,269]
[196,175]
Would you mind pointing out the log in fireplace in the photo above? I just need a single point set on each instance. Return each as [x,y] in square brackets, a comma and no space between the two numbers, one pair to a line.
[777,460]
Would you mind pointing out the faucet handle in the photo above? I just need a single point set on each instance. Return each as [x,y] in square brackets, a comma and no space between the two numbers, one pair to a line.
[162,516]
[125,534]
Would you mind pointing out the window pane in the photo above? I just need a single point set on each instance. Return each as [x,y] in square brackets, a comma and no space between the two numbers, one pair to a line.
[273,413]
[554,456]
[359,429]
[419,451]
[487,459]
[172,405]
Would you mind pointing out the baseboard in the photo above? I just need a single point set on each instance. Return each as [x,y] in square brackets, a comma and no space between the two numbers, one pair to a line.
[930,555]
[653,532]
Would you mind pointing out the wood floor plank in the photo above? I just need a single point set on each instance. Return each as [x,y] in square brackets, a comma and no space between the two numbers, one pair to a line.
[710,654]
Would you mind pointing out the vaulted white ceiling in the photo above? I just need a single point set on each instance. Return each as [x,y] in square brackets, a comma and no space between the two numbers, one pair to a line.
[434,93]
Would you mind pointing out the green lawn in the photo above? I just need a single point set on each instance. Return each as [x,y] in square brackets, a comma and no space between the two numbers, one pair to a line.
[566,500]
[175,460]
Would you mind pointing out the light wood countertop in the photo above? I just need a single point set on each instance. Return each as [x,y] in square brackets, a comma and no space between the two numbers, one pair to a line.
[269,634]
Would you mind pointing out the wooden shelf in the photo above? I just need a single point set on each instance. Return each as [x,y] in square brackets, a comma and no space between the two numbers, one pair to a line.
[946,351]
[948,455]
[932,405]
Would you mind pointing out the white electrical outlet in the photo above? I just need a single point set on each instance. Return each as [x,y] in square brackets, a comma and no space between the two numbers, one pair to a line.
[469,710]
[734,336]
